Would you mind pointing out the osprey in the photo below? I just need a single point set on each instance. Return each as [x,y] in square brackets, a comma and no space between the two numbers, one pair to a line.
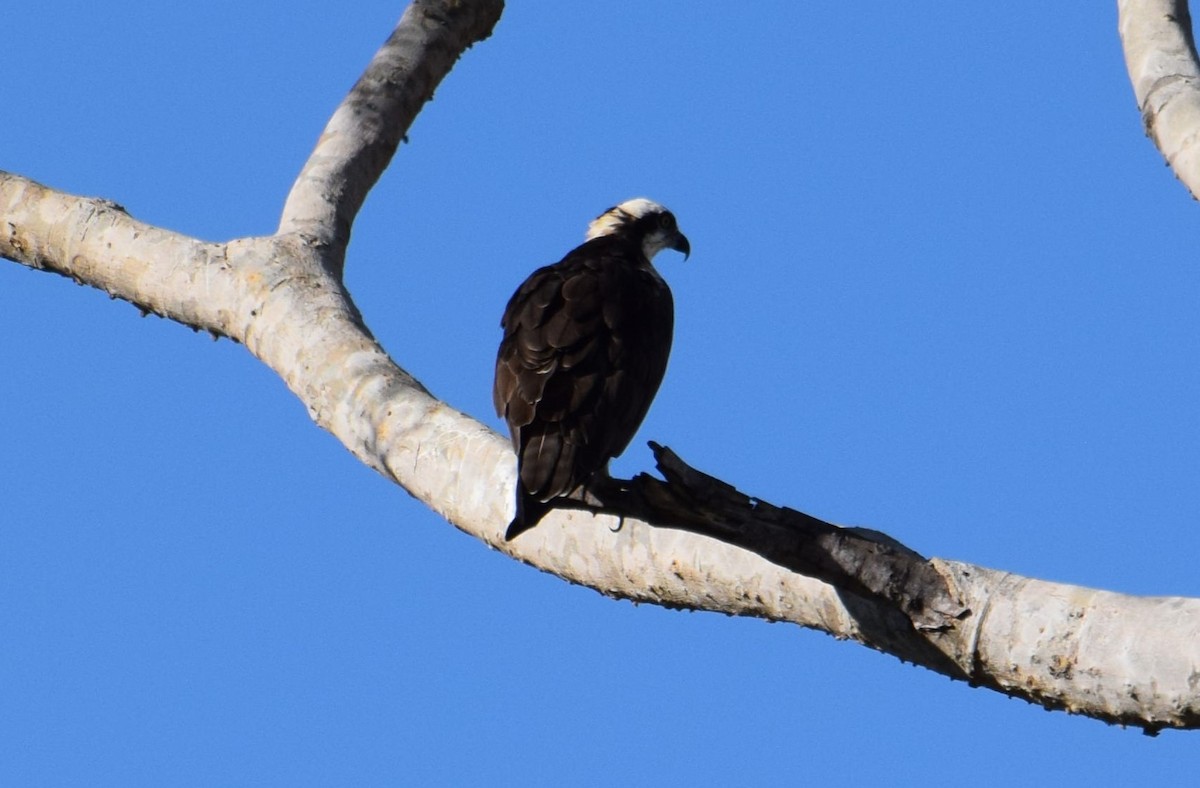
[584,350]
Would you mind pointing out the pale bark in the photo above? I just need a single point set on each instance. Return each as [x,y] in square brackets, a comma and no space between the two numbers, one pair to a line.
[1116,658]
[359,140]
[1160,55]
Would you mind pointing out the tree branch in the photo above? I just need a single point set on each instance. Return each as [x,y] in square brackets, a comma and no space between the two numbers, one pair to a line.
[864,563]
[96,242]
[1122,659]
[1116,658]
[1160,55]
[358,142]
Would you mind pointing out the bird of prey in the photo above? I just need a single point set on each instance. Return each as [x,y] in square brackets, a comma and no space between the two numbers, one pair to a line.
[584,350]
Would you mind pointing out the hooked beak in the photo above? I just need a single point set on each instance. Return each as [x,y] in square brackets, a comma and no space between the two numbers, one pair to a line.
[680,244]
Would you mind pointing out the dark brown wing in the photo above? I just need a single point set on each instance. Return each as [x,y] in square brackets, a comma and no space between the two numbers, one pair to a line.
[584,350]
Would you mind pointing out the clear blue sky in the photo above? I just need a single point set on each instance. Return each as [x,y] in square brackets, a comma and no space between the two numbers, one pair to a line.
[941,286]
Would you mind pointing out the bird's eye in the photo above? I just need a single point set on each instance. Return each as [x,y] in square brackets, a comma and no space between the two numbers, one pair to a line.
[666,221]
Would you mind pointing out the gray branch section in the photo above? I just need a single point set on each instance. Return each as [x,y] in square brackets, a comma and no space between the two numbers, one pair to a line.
[1117,658]
[1160,55]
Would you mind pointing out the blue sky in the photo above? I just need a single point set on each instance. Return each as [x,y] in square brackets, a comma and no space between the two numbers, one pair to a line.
[941,285]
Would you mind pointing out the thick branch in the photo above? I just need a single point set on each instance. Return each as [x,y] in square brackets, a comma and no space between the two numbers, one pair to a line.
[1081,650]
[1121,659]
[359,140]
[96,242]
[1160,55]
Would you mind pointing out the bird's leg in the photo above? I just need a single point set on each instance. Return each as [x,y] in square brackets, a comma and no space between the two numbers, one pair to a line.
[606,492]
[602,488]
[602,494]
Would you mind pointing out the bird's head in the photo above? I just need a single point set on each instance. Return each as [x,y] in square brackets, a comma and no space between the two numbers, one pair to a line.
[645,221]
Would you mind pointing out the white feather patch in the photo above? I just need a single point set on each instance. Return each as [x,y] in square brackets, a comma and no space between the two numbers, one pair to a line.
[613,219]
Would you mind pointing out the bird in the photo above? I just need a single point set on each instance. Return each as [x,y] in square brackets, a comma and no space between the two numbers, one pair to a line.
[584,349]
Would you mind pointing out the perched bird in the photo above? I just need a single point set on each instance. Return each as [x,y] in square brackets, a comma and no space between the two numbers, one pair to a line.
[584,350]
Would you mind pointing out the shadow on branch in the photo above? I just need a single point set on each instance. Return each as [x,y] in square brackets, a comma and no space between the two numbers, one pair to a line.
[865,566]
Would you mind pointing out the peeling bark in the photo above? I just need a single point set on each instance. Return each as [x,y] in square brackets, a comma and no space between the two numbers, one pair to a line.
[1116,658]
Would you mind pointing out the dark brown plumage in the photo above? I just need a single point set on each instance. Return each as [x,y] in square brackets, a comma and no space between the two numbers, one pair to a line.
[584,350]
